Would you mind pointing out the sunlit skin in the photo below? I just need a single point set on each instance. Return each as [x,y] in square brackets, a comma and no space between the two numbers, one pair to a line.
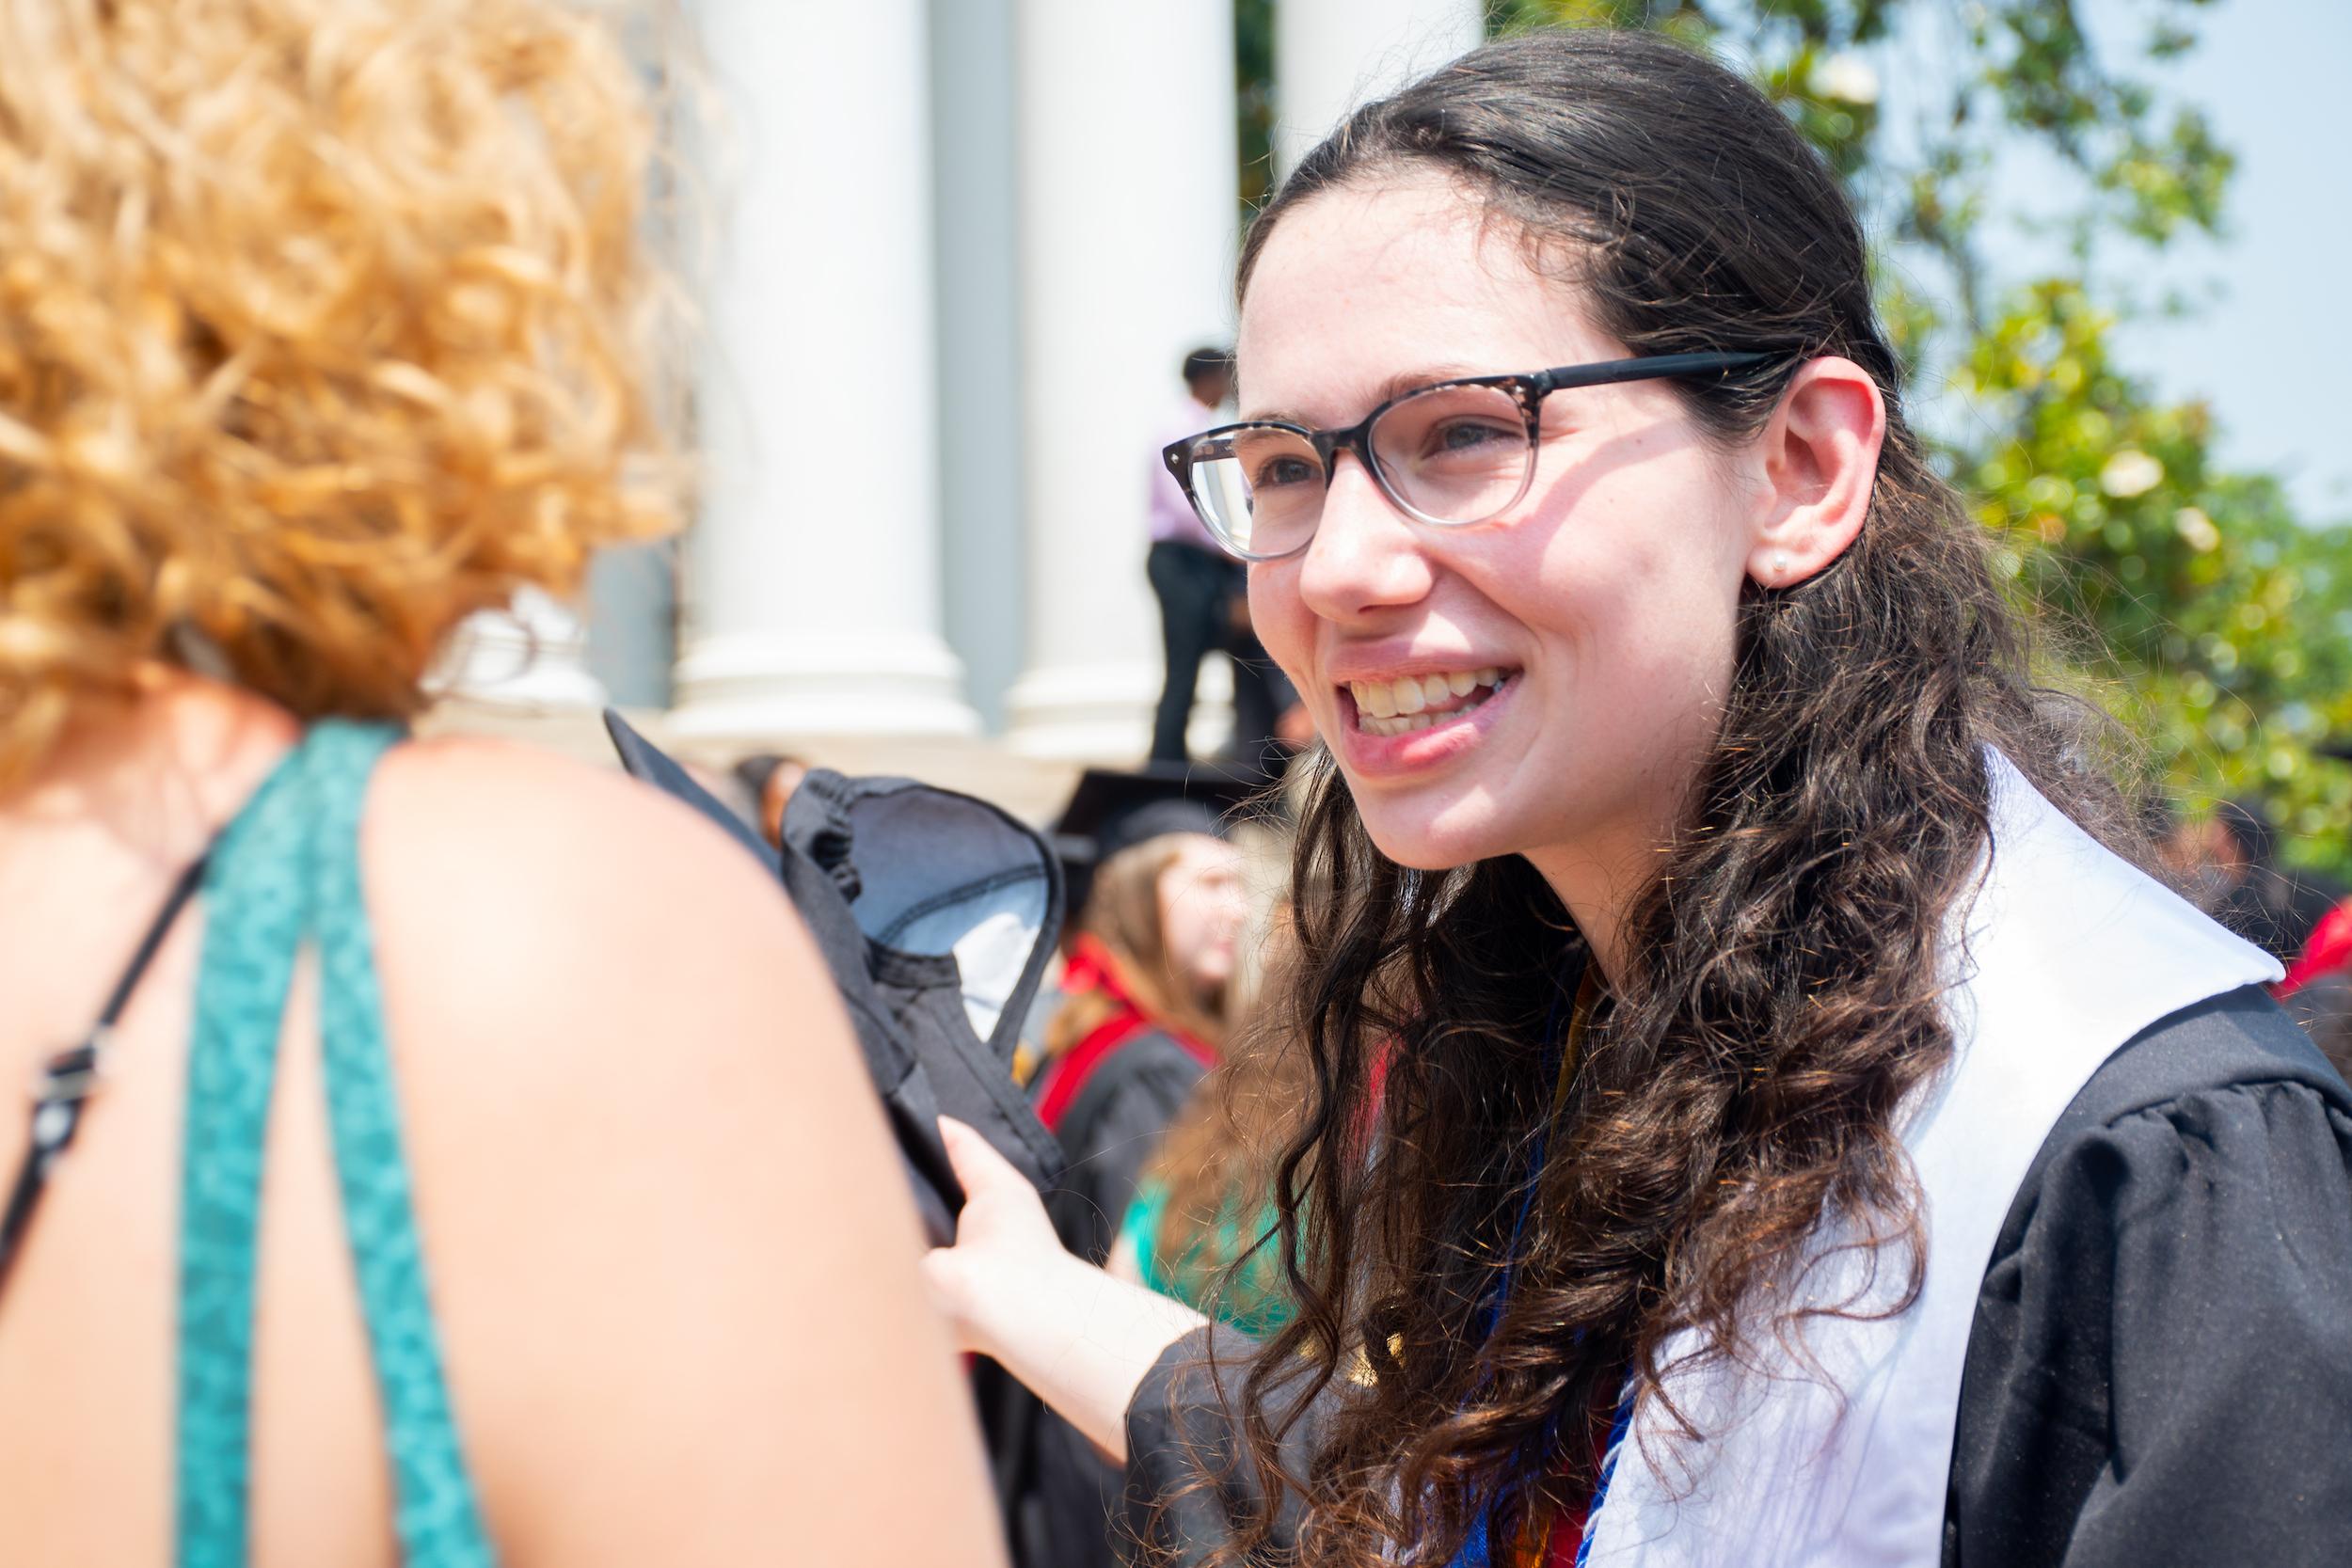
[1609,593]
[1203,906]
[776,794]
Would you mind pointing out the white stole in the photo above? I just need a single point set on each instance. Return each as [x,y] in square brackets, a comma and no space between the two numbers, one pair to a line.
[2070,952]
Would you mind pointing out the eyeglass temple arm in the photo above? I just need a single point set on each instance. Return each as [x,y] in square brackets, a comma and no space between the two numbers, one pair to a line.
[1650,367]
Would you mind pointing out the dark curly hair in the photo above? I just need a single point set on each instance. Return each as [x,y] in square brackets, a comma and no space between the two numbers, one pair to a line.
[1746,1075]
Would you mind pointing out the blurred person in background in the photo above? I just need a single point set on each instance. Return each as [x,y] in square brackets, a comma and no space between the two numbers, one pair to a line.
[1202,592]
[323,325]
[2317,990]
[1143,1012]
[2320,1000]
[1202,1229]
[2227,860]
[1147,990]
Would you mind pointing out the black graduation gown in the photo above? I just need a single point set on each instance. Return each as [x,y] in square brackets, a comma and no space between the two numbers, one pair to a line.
[2160,1371]
[1111,1131]
[1062,1496]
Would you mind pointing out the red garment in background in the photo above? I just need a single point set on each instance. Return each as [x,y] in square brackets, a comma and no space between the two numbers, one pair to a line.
[1091,968]
[2328,949]
[1567,1538]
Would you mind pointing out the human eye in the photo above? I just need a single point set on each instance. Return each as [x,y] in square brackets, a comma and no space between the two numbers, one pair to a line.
[1471,435]
[1463,429]
[1287,469]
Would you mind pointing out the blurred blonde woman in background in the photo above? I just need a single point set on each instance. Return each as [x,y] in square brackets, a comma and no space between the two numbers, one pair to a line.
[322,325]
[1147,984]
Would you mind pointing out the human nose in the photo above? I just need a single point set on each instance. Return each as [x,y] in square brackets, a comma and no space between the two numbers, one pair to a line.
[1365,555]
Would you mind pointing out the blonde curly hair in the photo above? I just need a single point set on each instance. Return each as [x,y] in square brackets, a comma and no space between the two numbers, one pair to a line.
[323,324]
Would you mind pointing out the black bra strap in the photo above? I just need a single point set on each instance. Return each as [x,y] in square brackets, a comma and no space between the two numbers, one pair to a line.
[67,1079]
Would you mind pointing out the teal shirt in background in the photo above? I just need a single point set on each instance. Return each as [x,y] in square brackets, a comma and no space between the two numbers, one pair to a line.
[1251,1301]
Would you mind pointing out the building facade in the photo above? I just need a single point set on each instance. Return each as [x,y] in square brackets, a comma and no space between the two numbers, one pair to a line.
[964,244]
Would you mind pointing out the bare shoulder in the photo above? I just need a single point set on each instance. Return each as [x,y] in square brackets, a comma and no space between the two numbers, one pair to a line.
[560,939]
[638,1122]
[556,827]
[514,871]
[564,949]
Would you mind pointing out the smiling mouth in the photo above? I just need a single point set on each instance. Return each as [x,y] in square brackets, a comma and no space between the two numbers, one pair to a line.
[1410,702]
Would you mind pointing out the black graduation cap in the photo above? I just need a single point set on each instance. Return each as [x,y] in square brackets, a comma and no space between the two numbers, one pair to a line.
[937,914]
[1110,811]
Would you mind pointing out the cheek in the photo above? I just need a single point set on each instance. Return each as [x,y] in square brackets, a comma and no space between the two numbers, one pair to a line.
[1640,579]
[1631,609]
[1187,945]
[1281,617]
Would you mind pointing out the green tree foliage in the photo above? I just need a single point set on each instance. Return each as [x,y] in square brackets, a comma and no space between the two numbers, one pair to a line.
[2224,627]
[1253,78]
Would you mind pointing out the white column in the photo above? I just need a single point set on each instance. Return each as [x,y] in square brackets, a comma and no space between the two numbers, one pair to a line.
[813,592]
[1129,214]
[1331,55]
[982,533]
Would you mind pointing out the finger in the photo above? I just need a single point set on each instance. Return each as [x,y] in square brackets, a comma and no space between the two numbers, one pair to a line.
[945,1282]
[977,1166]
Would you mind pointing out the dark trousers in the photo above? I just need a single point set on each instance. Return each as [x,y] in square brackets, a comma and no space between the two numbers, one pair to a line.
[1203,609]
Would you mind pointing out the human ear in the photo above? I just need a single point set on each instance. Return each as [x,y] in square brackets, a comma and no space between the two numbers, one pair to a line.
[1818,457]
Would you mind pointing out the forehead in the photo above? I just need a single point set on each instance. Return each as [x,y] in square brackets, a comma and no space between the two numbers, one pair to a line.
[1411,279]
[1201,852]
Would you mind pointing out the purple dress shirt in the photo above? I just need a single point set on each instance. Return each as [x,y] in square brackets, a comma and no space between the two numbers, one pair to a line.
[1171,516]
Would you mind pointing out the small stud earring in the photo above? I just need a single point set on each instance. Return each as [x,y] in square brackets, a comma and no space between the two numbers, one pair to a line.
[1780,567]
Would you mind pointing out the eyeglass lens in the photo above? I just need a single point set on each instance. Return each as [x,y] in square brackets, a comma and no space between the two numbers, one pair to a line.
[1452,455]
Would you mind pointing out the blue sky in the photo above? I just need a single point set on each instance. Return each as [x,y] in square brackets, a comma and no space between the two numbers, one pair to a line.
[2273,354]
[2270,346]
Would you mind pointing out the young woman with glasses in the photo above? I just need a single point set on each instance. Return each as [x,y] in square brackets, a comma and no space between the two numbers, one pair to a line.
[1756,1116]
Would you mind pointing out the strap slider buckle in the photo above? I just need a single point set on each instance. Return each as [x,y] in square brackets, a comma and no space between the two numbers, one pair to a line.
[73,1076]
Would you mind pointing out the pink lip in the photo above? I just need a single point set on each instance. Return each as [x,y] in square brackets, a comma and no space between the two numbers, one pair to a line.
[1389,756]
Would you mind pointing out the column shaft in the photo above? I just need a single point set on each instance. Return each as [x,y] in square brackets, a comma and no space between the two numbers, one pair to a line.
[813,604]
[1330,55]
[1129,213]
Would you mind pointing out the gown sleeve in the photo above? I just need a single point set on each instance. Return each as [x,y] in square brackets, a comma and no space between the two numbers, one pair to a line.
[1189,1485]
[2161,1370]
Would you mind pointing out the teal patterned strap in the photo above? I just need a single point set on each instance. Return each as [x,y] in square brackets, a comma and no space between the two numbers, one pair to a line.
[440,1526]
[290,867]
[256,896]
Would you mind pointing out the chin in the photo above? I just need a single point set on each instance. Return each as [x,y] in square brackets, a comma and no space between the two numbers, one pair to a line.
[1427,847]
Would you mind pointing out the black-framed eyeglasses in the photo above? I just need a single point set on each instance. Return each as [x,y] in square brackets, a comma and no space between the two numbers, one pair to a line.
[1451,454]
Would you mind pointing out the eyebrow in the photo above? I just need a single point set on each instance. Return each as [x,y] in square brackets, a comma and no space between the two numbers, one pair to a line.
[1394,387]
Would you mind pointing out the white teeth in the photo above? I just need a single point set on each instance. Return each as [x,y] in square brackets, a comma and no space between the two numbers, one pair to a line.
[1401,724]
[1399,707]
